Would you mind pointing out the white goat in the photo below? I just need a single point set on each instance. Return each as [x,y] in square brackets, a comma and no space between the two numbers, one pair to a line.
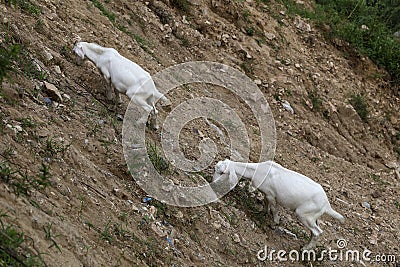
[288,188]
[126,76]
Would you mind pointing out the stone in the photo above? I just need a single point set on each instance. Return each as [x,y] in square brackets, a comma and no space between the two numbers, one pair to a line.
[52,91]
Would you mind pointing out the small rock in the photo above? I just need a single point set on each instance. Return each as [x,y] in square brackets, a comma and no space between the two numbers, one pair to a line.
[366,205]
[179,215]
[134,208]
[217,225]
[364,27]
[156,227]
[153,211]
[270,36]
[236,238]
[52,91]
[108,161]
[258,81]
[120,117]
[302,25]
[57,69]
[66,96]
[287,106]
[48,55]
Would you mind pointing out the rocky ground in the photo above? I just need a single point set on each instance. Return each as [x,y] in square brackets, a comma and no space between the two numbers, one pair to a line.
[56,119]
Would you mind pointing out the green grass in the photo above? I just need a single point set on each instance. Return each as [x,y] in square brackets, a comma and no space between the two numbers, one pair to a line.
[23,184]
[315,100]
[53,148]
[158,161]
[8,54]
[360,105]
[343,19]
[26,6]
[15,247]
[104,11]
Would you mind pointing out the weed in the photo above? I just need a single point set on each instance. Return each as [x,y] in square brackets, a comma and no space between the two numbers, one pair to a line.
[246,15]
[43,179]
[7,57]
[27,123]
[106,144]
[26,6]
[158,161]
[397,204]
[377,179]
[14,250]
[250,31]
[21,182]
[7,153]
[315,100]
[360,105]
[247,67]
[40,26]
[105,234]
[53,148]
[50,236]
[104,11]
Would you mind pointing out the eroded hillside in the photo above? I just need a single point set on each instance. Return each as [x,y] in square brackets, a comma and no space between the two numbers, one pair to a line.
[64,180]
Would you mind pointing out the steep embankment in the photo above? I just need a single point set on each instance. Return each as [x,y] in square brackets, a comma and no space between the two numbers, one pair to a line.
[91,214]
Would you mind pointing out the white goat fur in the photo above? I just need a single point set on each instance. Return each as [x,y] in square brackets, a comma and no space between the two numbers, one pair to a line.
[288,188]
[126,76]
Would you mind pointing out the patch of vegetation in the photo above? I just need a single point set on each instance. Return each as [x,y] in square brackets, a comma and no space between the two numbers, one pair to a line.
[315,100]
[247,67]
[104,11]
[8,54]
[366,25]
[15,248]
[250,30]
[16,57]
[22,183]
[49,235]
[182,5]
[26,6]
[53,147]
[158,161]
[360,105]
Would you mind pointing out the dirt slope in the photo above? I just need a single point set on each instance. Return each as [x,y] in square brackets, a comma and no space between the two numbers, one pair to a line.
[94,210]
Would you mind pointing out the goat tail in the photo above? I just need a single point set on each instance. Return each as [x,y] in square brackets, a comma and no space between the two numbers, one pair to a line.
[334,214]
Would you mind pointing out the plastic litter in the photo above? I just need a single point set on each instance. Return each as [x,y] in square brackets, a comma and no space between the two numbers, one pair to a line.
[147,199]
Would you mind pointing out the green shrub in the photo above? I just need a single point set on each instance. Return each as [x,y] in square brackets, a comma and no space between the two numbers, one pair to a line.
[183,5]
[25,5]
[7,57]
[361,107]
